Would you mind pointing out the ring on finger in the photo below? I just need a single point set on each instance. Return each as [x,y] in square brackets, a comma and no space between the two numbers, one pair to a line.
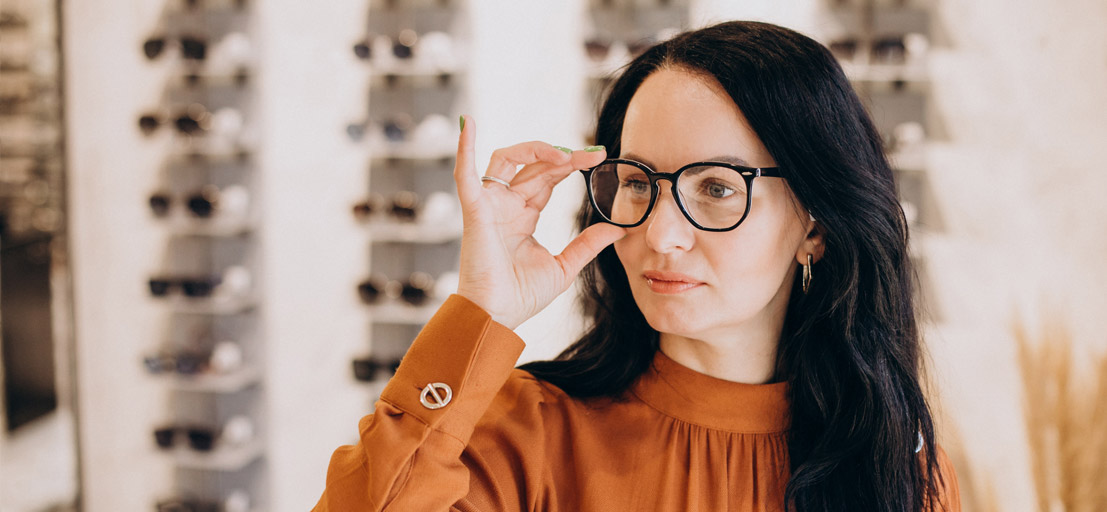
[495,180]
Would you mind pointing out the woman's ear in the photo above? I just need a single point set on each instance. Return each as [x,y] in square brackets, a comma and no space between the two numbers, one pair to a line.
[814,244]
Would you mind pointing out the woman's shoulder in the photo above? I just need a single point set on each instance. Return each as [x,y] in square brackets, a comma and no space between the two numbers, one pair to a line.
[523,392]
[527,404]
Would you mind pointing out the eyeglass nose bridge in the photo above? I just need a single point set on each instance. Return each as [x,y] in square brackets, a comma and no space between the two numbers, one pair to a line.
[655,194]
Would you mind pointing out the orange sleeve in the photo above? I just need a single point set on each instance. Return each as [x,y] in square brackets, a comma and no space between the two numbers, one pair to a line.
[949,493]
[408,456]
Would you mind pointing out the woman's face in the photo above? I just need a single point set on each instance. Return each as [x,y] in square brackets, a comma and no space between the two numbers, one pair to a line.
[699,284]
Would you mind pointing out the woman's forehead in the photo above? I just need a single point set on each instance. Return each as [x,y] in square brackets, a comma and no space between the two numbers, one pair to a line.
[676,117]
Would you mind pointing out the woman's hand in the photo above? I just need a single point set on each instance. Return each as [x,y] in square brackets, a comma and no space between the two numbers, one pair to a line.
[503,269]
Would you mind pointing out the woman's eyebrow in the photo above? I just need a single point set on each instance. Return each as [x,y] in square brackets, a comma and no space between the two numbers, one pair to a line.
[730,159]
[636,158]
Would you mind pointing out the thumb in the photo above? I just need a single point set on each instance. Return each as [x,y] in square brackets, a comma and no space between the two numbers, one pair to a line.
[465,170]
[586,246]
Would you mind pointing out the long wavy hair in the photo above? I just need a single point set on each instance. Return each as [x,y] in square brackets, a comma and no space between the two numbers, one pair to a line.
[850,347]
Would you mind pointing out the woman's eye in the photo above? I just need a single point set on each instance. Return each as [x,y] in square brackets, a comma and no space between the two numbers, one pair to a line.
[636,186]
[716,190]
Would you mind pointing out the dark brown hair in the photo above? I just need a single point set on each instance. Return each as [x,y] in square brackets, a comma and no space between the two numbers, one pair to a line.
[850,347]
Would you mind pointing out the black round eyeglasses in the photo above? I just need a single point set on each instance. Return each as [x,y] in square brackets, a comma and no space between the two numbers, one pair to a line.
[713,196]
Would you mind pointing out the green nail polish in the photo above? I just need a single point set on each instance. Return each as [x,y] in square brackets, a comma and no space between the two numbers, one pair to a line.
[565,149]
[593,149]
[461,121]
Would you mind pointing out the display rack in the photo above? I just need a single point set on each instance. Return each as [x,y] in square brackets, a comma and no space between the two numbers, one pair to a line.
[415,57]
[883,48]
[616,32]
[206,204]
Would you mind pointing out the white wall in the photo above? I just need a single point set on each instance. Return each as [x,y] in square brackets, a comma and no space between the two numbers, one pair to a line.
[113,246]
[1021,90]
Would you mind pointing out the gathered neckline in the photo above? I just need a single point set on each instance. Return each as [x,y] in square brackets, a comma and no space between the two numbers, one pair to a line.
[700,399]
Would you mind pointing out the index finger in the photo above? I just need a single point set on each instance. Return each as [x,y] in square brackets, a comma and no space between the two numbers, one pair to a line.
[537,179]
[590,156]
[504,161]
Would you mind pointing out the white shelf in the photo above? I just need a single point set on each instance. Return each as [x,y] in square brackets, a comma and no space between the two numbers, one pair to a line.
[221,458]
[885,73]
[215,226]
[185,147]
[209,306]
[202,78]
[415,68]
[408,151]
[216,383]
[413,232]
[401,313]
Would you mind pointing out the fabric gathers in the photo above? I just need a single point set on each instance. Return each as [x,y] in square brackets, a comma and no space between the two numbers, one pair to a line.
[679,440]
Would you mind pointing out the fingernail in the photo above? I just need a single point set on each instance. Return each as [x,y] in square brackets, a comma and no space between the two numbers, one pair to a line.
[593,149]
[461,121]
[565,149]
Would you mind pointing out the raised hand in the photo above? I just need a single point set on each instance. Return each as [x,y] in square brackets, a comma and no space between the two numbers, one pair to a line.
[503,269]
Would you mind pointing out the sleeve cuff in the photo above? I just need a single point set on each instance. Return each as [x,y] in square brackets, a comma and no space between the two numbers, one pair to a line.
[464,349]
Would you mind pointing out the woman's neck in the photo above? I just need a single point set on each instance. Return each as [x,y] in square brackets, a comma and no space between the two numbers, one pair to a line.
[748,359]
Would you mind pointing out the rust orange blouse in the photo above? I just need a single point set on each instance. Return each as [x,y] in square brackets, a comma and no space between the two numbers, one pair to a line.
[505,441]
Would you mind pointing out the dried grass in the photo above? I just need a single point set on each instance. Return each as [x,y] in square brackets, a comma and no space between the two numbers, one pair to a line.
[1066,422]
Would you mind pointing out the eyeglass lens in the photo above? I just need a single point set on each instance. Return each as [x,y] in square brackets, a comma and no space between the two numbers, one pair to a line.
[715,197]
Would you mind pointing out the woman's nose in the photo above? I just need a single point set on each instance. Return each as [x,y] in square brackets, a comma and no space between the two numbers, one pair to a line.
[667,229]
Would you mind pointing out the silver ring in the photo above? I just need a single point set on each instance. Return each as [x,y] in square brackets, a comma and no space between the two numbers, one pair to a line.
[495,180]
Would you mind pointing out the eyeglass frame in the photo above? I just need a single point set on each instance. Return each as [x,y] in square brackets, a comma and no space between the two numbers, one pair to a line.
[748,174]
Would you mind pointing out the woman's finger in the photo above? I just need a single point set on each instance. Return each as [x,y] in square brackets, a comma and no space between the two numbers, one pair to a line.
[536,183]
[591,157]
[505,161]
[465,171]
[586,246]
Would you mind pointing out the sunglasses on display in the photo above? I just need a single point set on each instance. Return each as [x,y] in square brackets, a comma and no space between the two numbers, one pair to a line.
[204,202]
[186,124]
[237,430]
[224,357]
[191,47]
[366,369]
[183,363]
[193,5]
[416,290]
[433,50]
[713,196]
[611,51]
[195,120]
[394,129]
[191,121]
[199,438]
[887,50]
[403,47]
[402,206]
[397,127]
[399,135]
[191,287]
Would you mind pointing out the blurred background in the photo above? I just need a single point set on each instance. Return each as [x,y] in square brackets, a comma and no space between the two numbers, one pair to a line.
[222,222]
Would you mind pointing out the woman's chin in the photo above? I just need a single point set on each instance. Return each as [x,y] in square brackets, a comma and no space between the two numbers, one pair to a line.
[671,320]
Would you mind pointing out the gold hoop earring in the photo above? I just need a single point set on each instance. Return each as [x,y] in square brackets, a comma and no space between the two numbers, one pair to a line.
[807,274]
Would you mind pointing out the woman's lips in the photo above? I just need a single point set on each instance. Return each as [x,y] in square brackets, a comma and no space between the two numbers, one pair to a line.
[669,282]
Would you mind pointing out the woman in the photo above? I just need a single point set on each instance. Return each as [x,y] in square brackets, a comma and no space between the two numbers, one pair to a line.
[753,343]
